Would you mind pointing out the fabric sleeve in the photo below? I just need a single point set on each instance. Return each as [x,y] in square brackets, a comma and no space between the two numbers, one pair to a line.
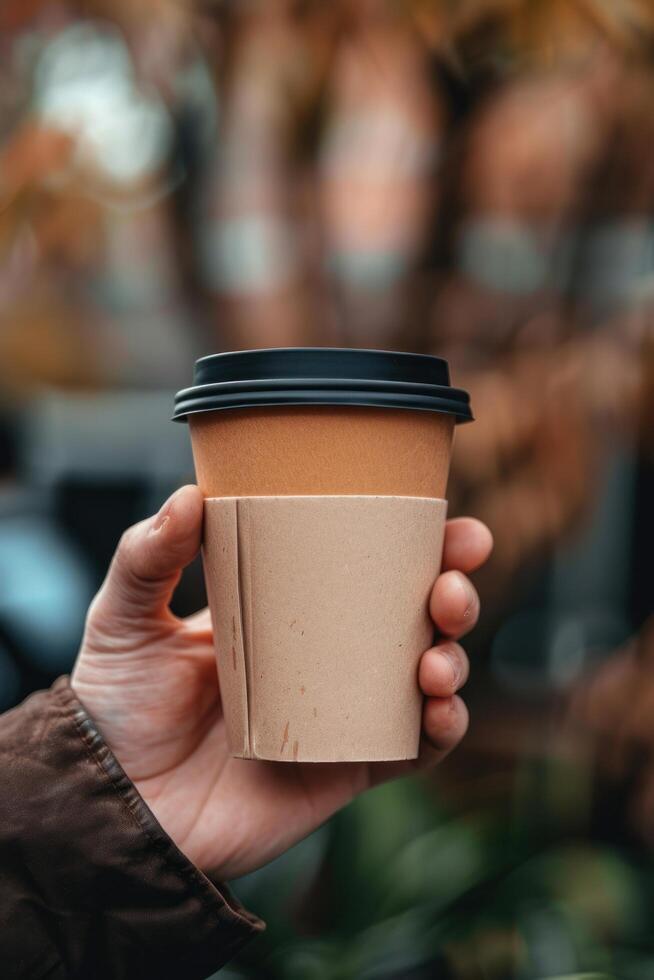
[90,884]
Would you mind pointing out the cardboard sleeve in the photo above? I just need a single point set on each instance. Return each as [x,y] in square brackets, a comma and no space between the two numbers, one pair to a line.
[320,614]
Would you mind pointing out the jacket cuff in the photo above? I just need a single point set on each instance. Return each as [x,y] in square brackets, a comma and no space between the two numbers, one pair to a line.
[124,899]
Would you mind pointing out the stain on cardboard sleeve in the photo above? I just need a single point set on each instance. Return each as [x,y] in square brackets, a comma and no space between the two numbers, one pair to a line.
[284,738]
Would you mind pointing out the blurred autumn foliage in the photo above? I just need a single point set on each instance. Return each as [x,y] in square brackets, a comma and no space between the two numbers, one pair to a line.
[472,179]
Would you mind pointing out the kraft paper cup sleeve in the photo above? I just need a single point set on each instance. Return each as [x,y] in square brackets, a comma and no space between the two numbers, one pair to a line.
[320,613]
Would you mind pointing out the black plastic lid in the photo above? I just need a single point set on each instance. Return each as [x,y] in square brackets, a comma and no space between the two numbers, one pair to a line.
[322,376]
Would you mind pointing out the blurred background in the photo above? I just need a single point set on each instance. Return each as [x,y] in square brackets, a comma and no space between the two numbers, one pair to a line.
[471,178]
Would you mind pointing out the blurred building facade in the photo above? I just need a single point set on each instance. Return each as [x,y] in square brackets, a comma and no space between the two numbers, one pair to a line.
[469,179]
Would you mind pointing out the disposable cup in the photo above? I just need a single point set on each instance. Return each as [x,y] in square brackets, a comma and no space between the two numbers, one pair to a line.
[324,474]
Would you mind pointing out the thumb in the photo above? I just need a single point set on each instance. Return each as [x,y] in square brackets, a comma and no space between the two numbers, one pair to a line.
[148,562]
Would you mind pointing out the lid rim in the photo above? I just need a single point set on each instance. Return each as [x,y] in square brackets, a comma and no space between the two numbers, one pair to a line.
[322,376]
[460,410]
[310,384]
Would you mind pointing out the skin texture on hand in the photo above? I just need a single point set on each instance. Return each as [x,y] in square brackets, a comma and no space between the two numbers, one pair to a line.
[149,681]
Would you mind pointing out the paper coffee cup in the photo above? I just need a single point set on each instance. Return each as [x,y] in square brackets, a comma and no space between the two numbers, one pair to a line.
[324,474]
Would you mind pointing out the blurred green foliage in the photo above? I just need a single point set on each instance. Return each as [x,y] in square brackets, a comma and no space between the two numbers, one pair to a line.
[401,886]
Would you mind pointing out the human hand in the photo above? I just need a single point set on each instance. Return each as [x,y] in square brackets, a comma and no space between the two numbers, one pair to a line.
[149,681]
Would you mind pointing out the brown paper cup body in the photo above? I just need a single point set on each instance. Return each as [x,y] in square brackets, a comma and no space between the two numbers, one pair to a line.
[321,450]
[320,614]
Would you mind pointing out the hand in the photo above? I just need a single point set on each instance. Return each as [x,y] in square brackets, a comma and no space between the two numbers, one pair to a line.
[149,681]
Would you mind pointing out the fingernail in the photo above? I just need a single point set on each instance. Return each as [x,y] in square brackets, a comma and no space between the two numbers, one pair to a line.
[163,516]
[160,522]
[470,598]
[454,663]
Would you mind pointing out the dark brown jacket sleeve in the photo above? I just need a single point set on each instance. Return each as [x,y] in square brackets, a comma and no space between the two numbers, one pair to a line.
[90,885]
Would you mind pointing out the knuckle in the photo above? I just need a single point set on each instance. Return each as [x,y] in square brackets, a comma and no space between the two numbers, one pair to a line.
[125,543]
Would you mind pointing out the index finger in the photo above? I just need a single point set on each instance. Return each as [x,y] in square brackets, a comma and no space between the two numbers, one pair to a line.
[467,544]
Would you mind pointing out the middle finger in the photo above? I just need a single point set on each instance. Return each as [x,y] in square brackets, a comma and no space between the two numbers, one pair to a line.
[454,604]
